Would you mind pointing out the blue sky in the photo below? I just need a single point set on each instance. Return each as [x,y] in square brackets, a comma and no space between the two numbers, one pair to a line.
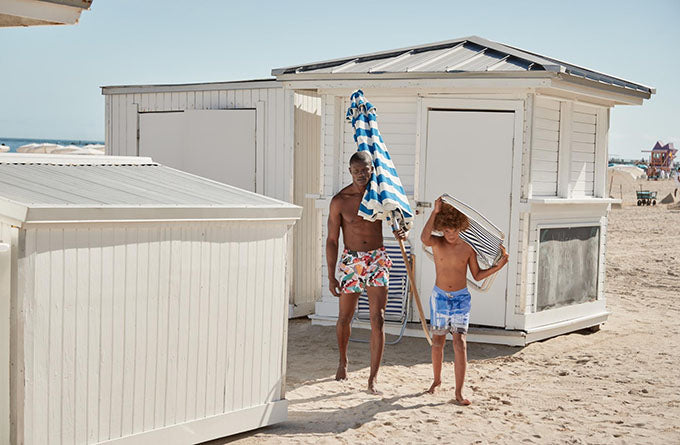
[50,76]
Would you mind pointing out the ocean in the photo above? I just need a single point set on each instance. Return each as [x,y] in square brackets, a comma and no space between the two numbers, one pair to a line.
[14,143]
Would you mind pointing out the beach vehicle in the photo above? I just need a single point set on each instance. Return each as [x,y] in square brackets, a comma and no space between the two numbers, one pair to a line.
[646,197]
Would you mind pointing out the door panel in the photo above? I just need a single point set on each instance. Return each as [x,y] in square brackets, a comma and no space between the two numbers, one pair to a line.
[216,144]
[469,156]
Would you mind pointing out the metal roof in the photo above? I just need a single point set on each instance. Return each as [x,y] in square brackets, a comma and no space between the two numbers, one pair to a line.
[41,12]
[51,188]
[465,55]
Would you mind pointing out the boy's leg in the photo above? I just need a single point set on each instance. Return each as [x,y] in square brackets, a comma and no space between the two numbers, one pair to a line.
[460,365]
[343,329]
[377,301]
[438,342]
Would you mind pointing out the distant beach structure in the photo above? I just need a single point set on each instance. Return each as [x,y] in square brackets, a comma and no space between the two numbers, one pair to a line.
[51,146]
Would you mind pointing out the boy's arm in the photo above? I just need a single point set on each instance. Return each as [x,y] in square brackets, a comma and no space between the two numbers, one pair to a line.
[334,218]
[426,235]
[479,274]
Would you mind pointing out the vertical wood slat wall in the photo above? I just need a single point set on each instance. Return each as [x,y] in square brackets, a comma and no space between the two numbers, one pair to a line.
[307,173]
[129,329]
[122,123]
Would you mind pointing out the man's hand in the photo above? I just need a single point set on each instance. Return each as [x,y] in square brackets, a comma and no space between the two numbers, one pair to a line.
[334,286]
[401,234]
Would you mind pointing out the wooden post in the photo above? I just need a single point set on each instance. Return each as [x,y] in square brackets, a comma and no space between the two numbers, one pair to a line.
[416,297]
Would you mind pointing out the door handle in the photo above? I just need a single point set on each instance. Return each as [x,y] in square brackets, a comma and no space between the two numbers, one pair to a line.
[423,204]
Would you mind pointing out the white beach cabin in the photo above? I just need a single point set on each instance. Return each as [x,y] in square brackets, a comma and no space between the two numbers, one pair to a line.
[238,133]
[139,303]
[519,136]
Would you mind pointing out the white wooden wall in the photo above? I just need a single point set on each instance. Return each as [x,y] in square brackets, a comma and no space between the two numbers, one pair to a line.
[544,147]
[568,146]
[6,238]
[131,328]
[307,188]
[397,122]
[122,123]
[583,128]
[557,216]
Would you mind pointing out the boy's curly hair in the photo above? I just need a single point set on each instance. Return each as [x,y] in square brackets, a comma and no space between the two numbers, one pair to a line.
[450,218]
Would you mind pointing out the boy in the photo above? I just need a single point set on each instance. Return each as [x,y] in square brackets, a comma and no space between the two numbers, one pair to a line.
[450,300]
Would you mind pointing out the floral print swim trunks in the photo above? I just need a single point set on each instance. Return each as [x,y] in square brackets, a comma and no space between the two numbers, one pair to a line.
[359,270]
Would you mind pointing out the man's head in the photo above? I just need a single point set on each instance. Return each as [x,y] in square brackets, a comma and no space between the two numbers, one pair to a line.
[361,167]
[451,222]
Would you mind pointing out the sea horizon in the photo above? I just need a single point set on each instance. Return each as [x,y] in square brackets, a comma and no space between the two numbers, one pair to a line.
[14,143]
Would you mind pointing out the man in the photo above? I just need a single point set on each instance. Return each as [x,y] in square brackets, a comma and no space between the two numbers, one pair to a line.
[364,264]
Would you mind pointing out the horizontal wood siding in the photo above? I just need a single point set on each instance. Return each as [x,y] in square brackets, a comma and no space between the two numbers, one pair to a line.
[545,136]
[133,328]
[397,123]
[121,125]
[583,134]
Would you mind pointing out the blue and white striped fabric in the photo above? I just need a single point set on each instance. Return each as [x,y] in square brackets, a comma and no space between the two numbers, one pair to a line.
[385,194]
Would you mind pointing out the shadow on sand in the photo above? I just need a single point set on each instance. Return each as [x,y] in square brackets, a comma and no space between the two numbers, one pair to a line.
[313,358]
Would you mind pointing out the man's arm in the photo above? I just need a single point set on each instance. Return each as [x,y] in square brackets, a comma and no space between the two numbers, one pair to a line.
[334,219]
[479,274]
[426,235]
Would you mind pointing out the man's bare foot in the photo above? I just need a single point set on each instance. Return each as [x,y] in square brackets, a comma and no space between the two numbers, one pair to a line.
[462,400]
[434,386]
[371,386]
[341,373]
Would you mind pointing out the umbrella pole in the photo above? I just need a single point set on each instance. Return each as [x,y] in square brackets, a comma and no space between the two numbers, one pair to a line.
[416,297]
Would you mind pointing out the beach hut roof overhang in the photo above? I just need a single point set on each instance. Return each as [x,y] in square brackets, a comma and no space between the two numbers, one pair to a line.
[41,12]
[40,189]
[468,62]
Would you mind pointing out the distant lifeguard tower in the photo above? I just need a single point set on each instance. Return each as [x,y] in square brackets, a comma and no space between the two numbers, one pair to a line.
[661,158]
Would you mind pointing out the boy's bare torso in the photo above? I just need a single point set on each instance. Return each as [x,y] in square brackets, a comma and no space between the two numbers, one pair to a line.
[357,233]
[451,263]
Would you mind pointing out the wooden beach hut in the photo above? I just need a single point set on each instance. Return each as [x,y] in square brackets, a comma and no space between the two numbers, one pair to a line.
[139,303]
[519,136]
[239,133]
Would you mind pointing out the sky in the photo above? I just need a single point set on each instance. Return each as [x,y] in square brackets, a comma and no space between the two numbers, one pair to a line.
[50,76]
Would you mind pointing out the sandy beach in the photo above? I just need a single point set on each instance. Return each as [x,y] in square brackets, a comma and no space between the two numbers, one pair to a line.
[617,385]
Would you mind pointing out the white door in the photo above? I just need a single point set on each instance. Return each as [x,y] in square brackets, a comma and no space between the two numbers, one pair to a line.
[469,156]
[216,144]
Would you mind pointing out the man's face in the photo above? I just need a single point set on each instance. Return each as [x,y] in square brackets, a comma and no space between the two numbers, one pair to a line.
[361,173]
[451,235]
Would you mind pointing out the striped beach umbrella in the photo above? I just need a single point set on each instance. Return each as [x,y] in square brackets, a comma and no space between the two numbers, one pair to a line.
[384,197]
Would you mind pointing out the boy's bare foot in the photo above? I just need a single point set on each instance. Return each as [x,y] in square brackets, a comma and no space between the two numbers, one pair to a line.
[341,373]
[462,400]
[434,386]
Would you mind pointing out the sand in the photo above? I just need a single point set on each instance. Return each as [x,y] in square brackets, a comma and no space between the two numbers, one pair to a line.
[618,385]
[624,186]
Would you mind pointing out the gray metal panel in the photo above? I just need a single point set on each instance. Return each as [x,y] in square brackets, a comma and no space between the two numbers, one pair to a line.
[444,59]
[62,186]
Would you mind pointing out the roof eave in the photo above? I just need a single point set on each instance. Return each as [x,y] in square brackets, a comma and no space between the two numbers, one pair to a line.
[140,214]
[619,95]
[203,86]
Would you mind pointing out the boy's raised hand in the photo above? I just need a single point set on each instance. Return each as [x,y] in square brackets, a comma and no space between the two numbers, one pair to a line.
[437,205]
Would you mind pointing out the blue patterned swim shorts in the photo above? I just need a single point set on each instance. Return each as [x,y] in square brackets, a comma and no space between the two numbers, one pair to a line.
[449,311]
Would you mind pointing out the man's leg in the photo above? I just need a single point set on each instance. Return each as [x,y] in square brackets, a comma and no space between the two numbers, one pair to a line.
[438,342]
[460,364]
[343,329]
[377,300]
